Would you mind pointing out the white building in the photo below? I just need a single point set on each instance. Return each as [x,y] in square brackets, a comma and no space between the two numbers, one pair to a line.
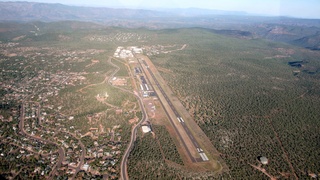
[263,160]
[136,50]
[146,129]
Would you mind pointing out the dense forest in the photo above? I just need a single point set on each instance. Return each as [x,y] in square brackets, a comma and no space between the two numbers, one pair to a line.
[155,156]
[248,100]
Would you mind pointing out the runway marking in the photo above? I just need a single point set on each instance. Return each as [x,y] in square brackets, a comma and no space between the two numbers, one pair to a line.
[179,118]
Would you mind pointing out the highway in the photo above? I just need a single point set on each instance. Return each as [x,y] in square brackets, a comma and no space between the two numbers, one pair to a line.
[180,119]
[123,165]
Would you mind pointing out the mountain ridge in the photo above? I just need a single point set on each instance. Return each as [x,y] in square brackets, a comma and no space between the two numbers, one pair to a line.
[301,32]
[30,11]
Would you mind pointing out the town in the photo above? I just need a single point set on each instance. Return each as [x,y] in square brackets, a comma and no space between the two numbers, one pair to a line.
[132,90]
[37,128]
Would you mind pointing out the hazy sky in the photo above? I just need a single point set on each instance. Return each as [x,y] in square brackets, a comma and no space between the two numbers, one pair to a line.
[295,8]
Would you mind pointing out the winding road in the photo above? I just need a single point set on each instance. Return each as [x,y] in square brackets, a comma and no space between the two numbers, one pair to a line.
[123,166]
[60,149]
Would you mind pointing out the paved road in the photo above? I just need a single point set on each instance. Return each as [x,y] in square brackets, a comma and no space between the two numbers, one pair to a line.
[81,158]
[178,118]
[60,150]
[123,166]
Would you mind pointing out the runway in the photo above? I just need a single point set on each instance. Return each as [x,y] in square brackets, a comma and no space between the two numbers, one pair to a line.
[179,119]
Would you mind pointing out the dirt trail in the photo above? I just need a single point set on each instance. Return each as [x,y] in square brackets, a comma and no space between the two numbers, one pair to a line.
[102,100]
[93,62]
[283,150]
[263,171]
[161,150]
[182,48]
[89,85]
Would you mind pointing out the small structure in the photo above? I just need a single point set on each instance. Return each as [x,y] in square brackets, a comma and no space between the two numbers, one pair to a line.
[263,160]
[85,167]
[146,129]
[118,111]
[145,94]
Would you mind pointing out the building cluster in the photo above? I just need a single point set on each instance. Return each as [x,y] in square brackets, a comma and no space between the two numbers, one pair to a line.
[119,81]
[9,44]
[145,87]
[39,130]
[38,76]
[118,37]
[39,87]
[44,134]
[124,53]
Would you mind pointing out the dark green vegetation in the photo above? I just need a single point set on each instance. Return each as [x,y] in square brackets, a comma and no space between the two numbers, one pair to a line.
[167,145]
[240,89]
[146,161]
[155,157]
[162,143]
[244,96]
